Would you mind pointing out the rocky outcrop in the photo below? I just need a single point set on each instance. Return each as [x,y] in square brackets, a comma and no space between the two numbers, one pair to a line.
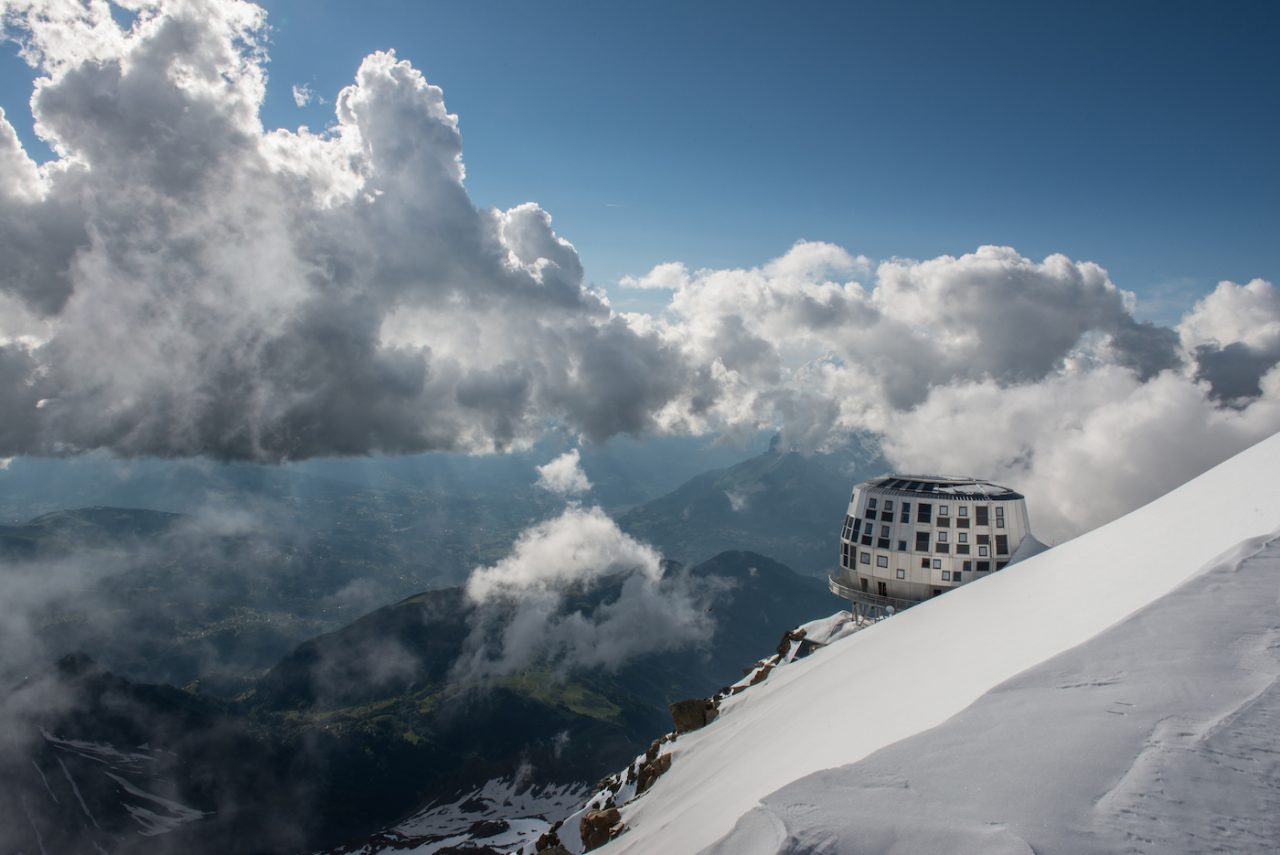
[598,827]
[694,713]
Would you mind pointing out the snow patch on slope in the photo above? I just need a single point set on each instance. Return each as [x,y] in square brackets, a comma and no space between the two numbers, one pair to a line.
[1158,735]
[920,668]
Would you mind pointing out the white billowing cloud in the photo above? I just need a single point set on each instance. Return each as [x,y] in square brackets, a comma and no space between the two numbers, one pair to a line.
[182,281]
[209,287]
[1234,333]
[304,95]
[521,619]
[1083,447]
[564,475]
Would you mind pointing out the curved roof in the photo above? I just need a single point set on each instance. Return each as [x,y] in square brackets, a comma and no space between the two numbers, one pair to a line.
[942,487]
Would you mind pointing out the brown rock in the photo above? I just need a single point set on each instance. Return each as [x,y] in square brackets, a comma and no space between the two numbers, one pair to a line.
[689,715]
[598,827]
[651,771]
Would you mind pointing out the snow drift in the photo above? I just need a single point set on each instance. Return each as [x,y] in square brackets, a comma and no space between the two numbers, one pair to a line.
[920,669]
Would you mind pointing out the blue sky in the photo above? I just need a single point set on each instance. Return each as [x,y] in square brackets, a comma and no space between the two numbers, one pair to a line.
[1138,135]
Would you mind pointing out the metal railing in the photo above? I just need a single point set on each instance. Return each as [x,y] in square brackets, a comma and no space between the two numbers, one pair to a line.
[857,595]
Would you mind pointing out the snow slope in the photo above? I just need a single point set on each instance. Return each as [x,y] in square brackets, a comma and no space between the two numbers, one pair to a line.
[917,670]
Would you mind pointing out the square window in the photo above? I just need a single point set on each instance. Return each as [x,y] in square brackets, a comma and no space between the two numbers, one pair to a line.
[943,510]
[955,577]
[888,505]
[983,551]
[871,503]
[902,574]
[968,565]
[964,537]
[946,576]
[984,566]
[902,546]
[924,562]
[864,558]
[937,564]
[942,536]
[963,510]
[882,560]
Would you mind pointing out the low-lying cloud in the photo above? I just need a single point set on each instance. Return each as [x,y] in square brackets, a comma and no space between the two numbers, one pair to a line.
[564,475]
[539,606]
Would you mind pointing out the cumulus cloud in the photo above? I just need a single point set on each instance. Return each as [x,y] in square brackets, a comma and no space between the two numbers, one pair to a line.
[180,280]
[564,475]
[210,287]
[535,606]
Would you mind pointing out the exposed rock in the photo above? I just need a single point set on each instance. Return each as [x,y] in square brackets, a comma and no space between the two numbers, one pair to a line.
[598,827]
[651,770]
[784,646]
[694,713]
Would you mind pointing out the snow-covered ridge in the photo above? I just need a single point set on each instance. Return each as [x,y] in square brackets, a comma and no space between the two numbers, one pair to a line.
[920,668]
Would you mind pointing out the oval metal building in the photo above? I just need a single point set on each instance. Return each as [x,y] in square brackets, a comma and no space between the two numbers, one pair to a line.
[907,538]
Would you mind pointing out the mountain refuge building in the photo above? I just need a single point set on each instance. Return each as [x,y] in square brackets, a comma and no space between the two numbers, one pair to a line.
[907,538]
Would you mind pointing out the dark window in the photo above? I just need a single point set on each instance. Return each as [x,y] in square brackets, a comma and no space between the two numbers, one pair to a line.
[882,543]
[888,505]
[942,548]
[886,516]
[984,566]
[905,516]
[980,513]
[857,526]
[902,546]
[924,512]
[864,584]
[870,514]
[848,528]
[922,541]
[1000,565]
[1002,544]
[968,565]
[937,592]
[962,522]
[924,562]
[962,549]
[955,577]
[871,503]
[883,588]
[943,522]
[984,539]
[884,531]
